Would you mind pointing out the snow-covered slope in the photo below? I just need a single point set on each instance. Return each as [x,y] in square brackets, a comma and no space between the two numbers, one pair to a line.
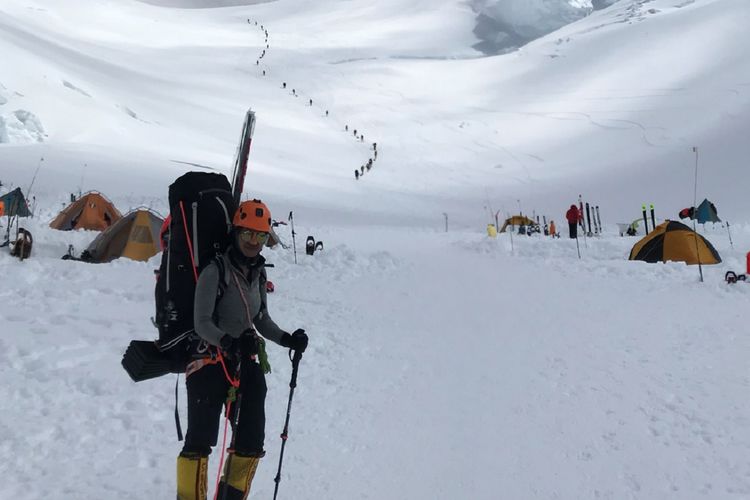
[441,366]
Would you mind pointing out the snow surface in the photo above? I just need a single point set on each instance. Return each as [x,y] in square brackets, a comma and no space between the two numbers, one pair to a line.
[441,365]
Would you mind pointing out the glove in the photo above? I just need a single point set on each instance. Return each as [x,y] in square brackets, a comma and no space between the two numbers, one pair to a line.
[227,343]
[249,343]
[296,341]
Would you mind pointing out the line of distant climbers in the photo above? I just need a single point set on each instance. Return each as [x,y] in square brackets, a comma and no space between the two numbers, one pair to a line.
[360,137]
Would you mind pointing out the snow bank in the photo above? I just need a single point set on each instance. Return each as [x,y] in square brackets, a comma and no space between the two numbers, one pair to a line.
[21,127]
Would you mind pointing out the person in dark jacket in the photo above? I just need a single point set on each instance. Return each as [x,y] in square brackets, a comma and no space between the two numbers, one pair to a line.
[572,216]
[230,311]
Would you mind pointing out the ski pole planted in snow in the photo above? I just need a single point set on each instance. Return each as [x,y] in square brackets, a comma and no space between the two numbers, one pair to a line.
[695,199]
[730,235]
[645,219]
[294,242]
[297,357]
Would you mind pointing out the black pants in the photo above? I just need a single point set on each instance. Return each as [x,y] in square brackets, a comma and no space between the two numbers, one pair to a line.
[207,391]
[573,229]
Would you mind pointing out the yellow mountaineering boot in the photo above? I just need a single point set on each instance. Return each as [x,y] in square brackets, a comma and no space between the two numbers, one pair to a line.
[238,476]
[192,477]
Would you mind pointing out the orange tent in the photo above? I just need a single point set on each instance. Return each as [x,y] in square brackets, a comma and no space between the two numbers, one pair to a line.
[90,211]
[2,208]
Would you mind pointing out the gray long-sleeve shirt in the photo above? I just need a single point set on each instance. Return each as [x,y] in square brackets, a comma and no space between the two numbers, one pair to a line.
[229,315]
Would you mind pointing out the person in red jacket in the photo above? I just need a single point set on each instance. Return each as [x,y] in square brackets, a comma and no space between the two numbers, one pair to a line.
[572,216]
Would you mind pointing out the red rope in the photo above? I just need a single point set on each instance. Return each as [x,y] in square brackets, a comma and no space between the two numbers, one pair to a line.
[233,381]
[190,245]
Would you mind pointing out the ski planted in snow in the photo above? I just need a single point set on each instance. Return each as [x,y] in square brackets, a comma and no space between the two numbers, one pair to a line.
[580,214]
[588,219]
[243,151]
[653,218]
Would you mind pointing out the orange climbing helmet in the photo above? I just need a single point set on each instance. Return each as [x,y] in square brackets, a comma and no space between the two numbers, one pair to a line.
[253,214]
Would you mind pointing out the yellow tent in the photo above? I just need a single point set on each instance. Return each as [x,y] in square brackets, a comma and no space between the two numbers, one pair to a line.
[135,236]
[517,220]
[674,241]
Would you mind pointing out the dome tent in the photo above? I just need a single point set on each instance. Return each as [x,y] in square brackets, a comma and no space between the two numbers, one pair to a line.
[90,211]
[516,220]
[674,241]
[135,236]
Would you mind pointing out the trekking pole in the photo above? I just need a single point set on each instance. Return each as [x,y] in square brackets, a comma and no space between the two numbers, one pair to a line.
[234,399]
[285,433]
[294,242]
[578,247]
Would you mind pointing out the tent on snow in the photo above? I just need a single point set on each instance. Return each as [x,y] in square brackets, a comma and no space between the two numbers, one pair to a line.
[15,204]
[135,236]
[706,212]
[629,229]
[674,241]
[517,220]
[90,211]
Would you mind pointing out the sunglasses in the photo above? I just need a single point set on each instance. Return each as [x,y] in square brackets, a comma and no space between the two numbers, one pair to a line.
[248,235]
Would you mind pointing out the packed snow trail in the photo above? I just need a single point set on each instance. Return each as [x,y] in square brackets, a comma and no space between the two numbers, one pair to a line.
[458,372]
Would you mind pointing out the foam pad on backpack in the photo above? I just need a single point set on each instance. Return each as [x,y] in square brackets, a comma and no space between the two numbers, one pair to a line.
[143,360]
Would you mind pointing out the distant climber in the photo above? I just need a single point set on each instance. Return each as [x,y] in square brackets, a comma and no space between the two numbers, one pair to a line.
[572,216]
[356,174]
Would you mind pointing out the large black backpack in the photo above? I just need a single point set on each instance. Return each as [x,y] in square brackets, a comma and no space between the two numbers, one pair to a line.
[201,208]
